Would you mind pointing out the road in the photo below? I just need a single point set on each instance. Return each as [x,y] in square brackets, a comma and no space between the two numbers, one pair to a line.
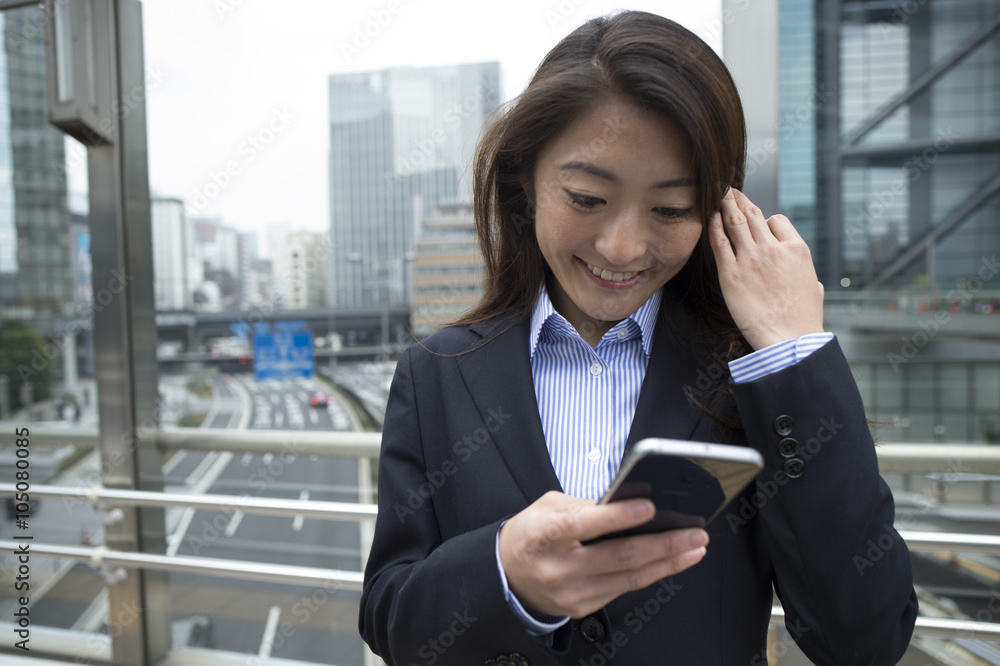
[310,623]
[320,625]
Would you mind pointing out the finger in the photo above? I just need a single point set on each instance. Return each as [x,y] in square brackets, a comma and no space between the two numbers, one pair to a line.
[598,520]
[633,552]
[782,228]
[755,218]
[735,222]
[722,247]
[604,588]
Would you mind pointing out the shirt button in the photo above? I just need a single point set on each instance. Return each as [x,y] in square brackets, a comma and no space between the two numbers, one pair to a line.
[596,369]
[594,455]
[622,334]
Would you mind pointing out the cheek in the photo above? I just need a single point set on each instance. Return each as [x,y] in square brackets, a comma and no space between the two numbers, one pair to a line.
[679,243]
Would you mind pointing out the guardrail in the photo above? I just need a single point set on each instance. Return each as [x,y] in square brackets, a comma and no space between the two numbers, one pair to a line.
[893,458]
[898,458]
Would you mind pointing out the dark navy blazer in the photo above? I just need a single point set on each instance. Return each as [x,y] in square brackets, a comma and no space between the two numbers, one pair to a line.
[463,450]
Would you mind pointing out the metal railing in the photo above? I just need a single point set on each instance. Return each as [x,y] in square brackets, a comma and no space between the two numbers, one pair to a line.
[901,458]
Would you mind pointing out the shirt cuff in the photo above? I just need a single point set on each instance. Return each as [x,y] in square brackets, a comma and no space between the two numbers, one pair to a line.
[776,357]
[533,626]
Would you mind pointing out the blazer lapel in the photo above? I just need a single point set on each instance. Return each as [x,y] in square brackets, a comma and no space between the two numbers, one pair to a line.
[498,375]
[663,409]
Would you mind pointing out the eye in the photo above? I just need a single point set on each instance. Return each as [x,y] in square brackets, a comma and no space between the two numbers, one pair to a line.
[674,213]
[584,201]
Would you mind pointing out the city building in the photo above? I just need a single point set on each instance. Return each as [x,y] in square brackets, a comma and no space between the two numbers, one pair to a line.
[889,132]
[448,269]
[172,248]
[401,144]
[303,270]
[217,250]
[35,250]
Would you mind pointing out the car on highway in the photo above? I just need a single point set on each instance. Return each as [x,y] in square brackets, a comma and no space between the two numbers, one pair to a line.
[320,399]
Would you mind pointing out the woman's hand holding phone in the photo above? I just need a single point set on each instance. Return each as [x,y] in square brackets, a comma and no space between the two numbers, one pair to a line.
[766,272]
[551,571]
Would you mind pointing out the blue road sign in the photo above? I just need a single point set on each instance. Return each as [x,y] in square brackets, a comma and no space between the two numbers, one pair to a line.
[283,355]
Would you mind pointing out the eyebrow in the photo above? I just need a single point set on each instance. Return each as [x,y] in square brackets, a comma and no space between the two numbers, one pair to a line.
[593,170]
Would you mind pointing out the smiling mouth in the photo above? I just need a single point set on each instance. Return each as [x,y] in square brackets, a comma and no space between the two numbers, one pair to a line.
[608,276]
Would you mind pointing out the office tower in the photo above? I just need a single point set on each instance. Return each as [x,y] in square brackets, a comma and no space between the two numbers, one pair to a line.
[401,144]
[448,269]
[217,249]
[890,138]
[890,168]
[303,270]
[35,251]
[171,255]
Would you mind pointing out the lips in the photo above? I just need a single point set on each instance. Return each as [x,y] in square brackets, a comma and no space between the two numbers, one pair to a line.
[609,280]
[608,276]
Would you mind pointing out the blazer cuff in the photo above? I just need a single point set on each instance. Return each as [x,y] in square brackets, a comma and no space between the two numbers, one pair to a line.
[535,623]
[776,357]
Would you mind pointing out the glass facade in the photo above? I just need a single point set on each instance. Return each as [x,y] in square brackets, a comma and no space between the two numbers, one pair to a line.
[916,194]
[401,144]
[890,168]
[39,202]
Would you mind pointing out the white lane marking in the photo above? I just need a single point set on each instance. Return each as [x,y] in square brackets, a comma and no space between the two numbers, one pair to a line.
[299,519]
[267,458]
[169,466]
[202,467]
[270,627]
[199,487]
[95,615]
[313,417]
[245,460]
[234,522]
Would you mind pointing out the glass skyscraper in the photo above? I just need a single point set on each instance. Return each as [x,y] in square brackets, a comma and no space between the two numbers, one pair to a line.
[890,138]
[401,143]
[35,250]
[890,169]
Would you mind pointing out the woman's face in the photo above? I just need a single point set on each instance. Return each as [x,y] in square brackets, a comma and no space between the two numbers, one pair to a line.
[616,212]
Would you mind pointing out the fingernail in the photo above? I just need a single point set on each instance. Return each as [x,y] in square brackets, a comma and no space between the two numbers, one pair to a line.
[698,538]
[695,555]
[715,216]
[641,510]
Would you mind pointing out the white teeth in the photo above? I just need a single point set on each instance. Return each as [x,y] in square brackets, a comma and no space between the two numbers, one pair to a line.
[605,274]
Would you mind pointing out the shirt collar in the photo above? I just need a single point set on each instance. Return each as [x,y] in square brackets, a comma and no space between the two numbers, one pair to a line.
[543,314]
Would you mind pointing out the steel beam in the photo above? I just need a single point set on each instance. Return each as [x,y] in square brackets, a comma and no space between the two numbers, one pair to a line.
[925,80]
[914,250]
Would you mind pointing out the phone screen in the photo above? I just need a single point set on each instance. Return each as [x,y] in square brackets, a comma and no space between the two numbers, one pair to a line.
[688,490]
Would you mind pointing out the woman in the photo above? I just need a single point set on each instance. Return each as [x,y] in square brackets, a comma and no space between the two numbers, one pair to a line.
[631,291]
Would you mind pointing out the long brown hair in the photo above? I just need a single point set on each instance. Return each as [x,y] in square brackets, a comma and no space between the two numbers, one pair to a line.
[655,63]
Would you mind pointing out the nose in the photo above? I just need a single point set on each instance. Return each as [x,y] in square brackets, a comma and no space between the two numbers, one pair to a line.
[621,240]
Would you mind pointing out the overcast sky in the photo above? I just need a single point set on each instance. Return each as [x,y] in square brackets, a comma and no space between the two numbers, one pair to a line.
[223,71]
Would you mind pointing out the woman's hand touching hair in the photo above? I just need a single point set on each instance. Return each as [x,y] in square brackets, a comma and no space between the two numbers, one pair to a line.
[766,272]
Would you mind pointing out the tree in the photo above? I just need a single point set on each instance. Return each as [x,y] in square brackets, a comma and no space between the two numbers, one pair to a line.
[25,356]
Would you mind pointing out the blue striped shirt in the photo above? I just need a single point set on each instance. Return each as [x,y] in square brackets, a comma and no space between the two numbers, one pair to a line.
[587,397]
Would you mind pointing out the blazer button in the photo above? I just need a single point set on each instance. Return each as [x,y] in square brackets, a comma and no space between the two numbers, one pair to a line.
[592,630]
[793,467]
[783,425]
[518,659]
[788,447]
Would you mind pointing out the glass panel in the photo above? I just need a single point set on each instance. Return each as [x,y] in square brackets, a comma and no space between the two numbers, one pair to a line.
[46,351]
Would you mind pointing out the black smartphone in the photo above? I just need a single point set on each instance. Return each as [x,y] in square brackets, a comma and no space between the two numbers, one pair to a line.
[689,482]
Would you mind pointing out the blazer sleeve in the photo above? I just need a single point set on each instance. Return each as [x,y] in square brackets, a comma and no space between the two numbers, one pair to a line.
[841,570]
[428,600]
